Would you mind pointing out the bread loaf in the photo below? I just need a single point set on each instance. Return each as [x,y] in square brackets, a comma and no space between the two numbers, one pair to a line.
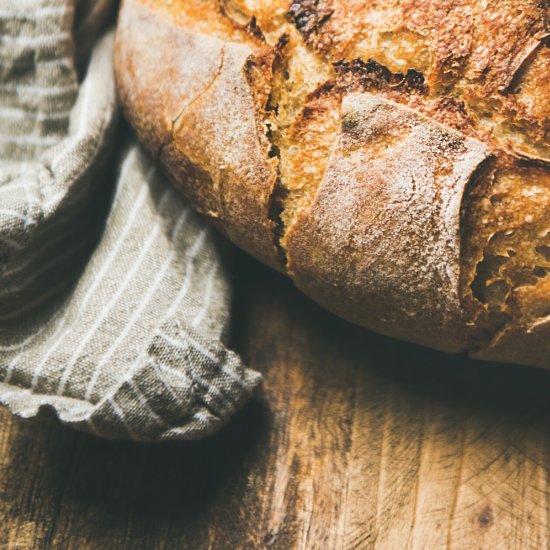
[390,156]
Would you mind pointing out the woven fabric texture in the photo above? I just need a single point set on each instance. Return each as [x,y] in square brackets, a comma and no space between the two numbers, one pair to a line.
[114,295]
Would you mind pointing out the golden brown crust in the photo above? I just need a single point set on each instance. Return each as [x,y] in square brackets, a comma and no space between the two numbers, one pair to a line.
[195,110]
[481,43]
[476,51]
[391,155]
[394,188]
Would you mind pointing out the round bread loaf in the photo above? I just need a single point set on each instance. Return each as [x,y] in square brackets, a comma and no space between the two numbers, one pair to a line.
[390,156]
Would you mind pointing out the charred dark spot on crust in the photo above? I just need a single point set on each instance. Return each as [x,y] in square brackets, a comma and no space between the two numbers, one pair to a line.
[326,88]
[259,70]
[279,194]
[275,211]
[254,29]
[309,15]
[277,200]
[454,113]
[277,65]
[279,61]
[350,123]
[370,76]
[365,75]
[282,42]
[452,104]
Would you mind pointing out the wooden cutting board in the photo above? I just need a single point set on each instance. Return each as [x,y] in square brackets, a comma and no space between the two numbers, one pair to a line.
[355,441]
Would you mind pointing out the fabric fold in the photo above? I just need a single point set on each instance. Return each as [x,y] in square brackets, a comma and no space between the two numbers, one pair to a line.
[114,295]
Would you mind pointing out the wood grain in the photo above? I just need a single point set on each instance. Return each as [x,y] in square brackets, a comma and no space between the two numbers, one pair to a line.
[355,441]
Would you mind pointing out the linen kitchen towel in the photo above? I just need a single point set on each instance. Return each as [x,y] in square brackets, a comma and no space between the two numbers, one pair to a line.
[114,295]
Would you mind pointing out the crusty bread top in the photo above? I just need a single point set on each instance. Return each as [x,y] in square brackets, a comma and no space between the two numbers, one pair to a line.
[248,102]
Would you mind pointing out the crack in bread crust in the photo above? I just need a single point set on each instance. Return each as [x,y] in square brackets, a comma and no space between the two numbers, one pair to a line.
[207,87]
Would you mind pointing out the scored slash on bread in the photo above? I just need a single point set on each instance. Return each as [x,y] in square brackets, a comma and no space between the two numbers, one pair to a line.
[390,157]
[393,187]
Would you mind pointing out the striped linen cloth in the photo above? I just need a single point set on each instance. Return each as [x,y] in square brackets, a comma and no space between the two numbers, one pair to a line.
[114,295]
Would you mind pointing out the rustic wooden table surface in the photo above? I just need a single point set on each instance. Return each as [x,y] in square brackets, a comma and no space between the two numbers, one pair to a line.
[355,441]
